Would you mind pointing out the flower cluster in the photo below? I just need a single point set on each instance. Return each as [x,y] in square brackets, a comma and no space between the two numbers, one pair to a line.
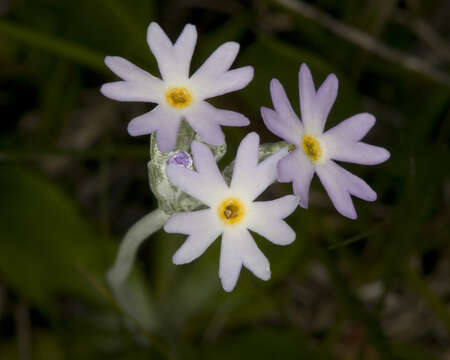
[228,206]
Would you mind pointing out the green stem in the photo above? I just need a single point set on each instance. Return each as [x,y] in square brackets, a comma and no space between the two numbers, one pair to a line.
[61,47]
[140,231]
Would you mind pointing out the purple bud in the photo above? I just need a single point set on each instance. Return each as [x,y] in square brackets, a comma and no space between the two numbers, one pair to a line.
[181,158]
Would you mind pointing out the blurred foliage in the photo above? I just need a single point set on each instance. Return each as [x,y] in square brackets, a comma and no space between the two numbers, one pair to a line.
[72,182]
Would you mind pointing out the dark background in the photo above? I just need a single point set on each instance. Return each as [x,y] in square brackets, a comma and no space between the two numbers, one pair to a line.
[72,181]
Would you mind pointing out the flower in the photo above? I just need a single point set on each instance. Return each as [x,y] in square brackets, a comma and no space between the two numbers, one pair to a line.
[178,95]
[232,210]
[314,150]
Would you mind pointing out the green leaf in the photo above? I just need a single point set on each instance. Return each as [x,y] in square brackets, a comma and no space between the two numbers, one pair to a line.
[47,248]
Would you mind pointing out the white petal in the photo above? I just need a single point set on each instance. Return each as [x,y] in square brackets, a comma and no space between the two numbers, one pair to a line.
[184,48]
[350,130]
[251,256]
[335,186]
[207,185]
[127,70]
[203,228]
[228,81]
[195,185]
[358,153]
[149,122]
[204,119]
[266,219]
[265,173]
[230,262]
[297,168]
[206,165]
[216,64]
[163,50]
[145,91]
[249,178]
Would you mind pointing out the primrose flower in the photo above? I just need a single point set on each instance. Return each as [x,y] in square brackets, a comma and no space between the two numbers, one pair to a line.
[179,96]
[231,211]
[314,150]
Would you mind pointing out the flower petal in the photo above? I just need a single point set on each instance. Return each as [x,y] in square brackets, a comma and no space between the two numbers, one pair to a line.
[350,130]
[266,219]
[149,122]
[226,82]
[284,109]
[265,174]
[146,91]
[296,167]
[307,95]
[335,185]
[325,98]
[184,48]
[274,123]
[315,107]
[251,256]
[216,64]
[203,228]
[231,118]
[166,135]
[250,178]
[127,70]
[357,186]
[358,153]
[230,262]
[206,165]
[163,50]
[204,119]
[207,185]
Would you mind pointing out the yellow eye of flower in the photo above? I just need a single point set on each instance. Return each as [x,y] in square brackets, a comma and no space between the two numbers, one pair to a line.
[312,149]
[178,97]
[231,211]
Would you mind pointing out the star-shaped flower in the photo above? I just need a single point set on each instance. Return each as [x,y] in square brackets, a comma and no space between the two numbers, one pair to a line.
[178,95]
[231,211]
[314,150]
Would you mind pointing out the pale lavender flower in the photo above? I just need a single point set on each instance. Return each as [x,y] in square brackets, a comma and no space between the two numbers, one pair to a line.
[231,211]
[177,94]
[314,150]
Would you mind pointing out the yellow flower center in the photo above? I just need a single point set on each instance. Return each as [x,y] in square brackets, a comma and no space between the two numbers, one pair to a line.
[231,211]
[311,147]
[178,97]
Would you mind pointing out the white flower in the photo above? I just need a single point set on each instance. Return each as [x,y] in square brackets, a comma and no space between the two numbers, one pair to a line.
[315,149]
[178,95]
[232,210]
